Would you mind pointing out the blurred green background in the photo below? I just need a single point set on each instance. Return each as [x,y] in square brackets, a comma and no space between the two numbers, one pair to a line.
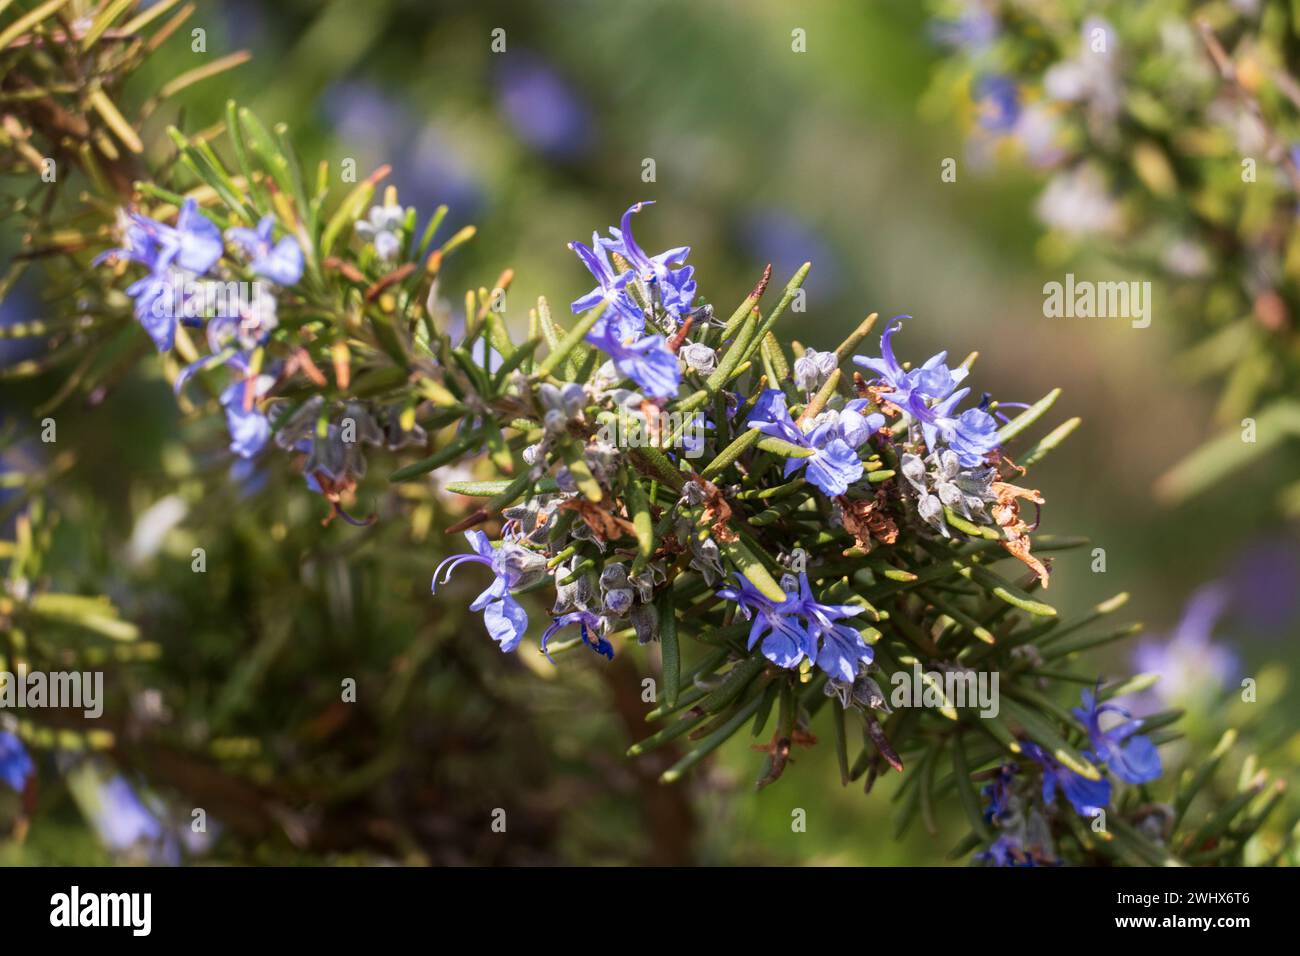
[761,154]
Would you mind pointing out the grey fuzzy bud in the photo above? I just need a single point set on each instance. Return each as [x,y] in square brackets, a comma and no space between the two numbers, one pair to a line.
[707,559]
[931,511]
[618,601]
[950,495]
[574,596]
[698,357]
[549,395]
[913,469]
[949,464]
[613,576]
[645,618]
[573,399]
[602,458]
[694,493]
[554,421]
[813,368]
[644,581]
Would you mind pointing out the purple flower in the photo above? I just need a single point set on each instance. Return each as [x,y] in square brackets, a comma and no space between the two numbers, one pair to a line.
[833,439]
[673,288]
[1188,662]
[973,30]
[122,820]
[972,434]
[800,626]
[513,566]
[1086,796]
[778,625]
[153,309]
[786,239]
[663,279]
[1005,850]
[622,314]
[1132,759]
[192,245]
[588,623]
[1265,584]
[15,763]
[933,380]
[997,101]
[645,359]
[543,109]
[280,262]
[249,427]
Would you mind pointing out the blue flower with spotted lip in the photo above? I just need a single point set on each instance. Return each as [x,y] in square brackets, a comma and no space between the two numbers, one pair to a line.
[513,566]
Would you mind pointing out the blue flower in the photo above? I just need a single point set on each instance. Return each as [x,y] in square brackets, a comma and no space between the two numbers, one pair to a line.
[280,262]
[927,395]
[1192,667]
[645,359]
[972,434]
[997,100]
[514,567]
[664,278]
[999,794]
[192,245]
[543,109]
[1086,796]
[673,288]
[249,427]
[777,624]
[1132,759]
[799,626]
[933,380]
[833,439]
[623,315]
[974,29]
[154,309]
[121,818]
[15,763]
[1005,850]
[588,623]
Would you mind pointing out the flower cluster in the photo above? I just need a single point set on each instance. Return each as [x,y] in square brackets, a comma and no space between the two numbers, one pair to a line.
[1023,831]
[1087,95]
